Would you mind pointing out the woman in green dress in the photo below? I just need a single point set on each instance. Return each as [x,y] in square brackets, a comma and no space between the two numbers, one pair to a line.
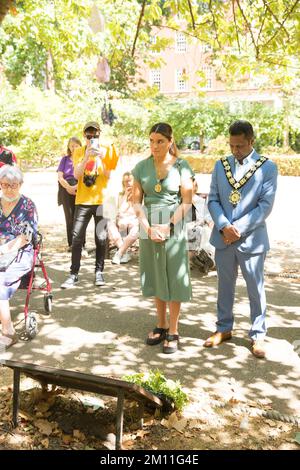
[164,183]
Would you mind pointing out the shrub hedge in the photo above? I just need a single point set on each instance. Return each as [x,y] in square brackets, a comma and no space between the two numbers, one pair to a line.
[287,165]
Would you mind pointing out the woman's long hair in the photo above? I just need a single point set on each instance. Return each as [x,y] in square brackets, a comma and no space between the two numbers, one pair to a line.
[76,141]
[166,130]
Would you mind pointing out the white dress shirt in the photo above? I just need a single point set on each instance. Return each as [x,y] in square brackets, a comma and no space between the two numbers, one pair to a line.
[241,170]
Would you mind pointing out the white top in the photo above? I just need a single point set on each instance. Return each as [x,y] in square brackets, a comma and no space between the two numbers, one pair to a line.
[241,170]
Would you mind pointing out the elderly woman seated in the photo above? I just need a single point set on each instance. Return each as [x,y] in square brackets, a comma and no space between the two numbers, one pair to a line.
[18,224]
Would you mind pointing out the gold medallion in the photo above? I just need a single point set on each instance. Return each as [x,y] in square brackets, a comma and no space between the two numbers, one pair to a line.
[235,197]
[157,188]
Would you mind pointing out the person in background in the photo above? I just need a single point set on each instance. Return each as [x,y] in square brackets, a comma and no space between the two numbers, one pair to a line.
[241,197]
[125,231]
[164,182]
[18,227]
[7,157]
[201,252]
[67,186]
[92,174]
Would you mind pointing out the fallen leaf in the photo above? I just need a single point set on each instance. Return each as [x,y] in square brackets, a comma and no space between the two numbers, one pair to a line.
[165,439]
[233,401]
[110,442]
[66,438]
[165,423]
[44,426]
[78,435]
[188,435]
[297,437]
[180,425]
[285,427]
[194,424]
[45,443]
[127,444]
[148,422]
[271,423]
[141,433]
[172,420]
[26,416]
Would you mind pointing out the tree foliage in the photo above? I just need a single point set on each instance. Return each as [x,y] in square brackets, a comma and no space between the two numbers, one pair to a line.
[244,36]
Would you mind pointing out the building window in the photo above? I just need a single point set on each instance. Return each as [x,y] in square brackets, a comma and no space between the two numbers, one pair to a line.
[155,78]
[181,83]
[208,71]
[181,44]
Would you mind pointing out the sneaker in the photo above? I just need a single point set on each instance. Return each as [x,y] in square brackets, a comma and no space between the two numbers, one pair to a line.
[116,258]
[70,282]
[99,279]
[125,258]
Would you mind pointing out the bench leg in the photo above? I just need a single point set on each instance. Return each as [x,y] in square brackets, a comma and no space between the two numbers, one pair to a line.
[119,424]
[141,414]
[16,391]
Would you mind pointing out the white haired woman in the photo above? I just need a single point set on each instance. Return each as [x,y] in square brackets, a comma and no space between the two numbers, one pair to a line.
[18,219]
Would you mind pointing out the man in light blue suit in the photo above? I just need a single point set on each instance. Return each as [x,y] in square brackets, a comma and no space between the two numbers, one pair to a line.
[241,197]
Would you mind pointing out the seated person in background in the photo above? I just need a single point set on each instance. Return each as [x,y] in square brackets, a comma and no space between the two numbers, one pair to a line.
[7,157]
[201,252]
[125,231]
[18,226]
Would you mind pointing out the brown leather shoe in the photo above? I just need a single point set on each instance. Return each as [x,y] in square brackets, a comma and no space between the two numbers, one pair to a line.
[217,338]
[258,349]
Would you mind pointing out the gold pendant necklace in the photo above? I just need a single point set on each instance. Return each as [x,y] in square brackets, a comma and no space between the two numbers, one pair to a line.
[157,188]
[235,197]
[158,185]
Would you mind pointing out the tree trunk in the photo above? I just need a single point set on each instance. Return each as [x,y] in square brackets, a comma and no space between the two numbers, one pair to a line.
[50,82]
[4,7]
[201,137]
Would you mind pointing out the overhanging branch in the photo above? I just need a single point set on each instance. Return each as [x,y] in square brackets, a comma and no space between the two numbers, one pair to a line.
[191,13]
[138,27]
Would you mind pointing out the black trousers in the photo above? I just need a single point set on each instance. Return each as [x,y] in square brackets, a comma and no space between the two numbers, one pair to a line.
[68,202]
[82,216]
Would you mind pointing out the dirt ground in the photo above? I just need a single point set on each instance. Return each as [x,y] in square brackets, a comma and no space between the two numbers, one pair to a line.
[102,332]
[71,420]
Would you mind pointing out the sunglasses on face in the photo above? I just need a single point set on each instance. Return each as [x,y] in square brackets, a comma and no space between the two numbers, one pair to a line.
[12,186]
[94,136]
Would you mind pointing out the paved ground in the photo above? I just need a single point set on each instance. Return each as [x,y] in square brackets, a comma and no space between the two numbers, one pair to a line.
[102,330]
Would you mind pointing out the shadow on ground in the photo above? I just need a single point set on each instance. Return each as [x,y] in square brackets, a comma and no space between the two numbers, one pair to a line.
[102,331]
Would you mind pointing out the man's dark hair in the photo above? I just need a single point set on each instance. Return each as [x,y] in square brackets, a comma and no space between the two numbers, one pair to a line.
[242,127]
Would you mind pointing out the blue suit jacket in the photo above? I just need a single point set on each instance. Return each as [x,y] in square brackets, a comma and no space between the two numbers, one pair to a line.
[249,215]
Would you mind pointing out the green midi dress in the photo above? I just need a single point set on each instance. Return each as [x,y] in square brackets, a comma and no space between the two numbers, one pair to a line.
[164,267]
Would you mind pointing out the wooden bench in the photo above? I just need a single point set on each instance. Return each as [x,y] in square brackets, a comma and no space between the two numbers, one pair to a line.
[85,382]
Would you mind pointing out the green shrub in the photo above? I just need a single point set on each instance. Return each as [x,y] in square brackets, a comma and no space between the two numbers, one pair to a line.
[156,383]
[218,146]
[287,165]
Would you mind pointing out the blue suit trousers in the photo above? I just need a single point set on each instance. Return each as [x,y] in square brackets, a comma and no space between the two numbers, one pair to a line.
[252,267]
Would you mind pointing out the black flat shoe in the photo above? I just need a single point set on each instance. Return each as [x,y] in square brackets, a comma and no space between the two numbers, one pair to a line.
[157,331]
[171,349]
